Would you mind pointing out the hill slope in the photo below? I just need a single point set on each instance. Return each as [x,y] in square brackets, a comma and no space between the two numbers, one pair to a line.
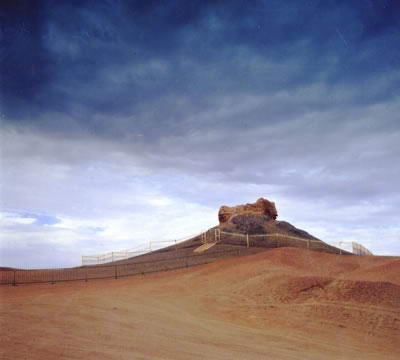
[281,303]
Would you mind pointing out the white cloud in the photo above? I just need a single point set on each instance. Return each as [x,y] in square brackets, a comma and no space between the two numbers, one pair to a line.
[160,201]
[12,219]
[122,227]
[111,195]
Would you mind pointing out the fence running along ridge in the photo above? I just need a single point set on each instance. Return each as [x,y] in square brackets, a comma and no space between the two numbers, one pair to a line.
[212,235]
[281,240]
[353,247]
[126,254]
[85,273]
[231,244]
[120,255]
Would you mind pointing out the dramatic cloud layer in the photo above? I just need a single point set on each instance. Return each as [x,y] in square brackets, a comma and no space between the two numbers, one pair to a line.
[127,121]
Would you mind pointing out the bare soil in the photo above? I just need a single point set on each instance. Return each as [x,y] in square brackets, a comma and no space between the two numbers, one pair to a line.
[282,303]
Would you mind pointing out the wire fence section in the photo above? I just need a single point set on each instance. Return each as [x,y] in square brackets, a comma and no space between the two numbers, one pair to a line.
[353,247]
[277,240]
[112,271]
[214,235]
[198,250]
[126,254]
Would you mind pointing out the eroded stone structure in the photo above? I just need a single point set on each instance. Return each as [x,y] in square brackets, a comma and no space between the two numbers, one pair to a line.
[261,207]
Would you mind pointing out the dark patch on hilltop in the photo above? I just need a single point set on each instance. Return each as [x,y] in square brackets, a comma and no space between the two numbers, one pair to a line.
[250,224]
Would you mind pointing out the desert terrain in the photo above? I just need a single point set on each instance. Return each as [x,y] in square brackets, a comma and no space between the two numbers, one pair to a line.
[283,303]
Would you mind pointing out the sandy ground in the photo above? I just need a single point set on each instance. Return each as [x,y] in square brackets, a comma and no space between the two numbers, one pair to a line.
[279,304]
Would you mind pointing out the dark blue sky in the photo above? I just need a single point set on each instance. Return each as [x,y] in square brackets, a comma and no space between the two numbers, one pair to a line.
[202,103]
[61,56]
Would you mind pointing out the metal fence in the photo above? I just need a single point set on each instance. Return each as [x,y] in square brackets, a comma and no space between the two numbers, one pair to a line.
[119,255]
[112,271]
[353,247]
[277,240]
[180,255]
[126,254]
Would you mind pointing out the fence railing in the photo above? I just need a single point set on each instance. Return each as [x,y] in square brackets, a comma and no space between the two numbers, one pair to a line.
[126,254]
[278,240]
[113,271]
[354,247]
[179,256]
[118,255]
[281,239]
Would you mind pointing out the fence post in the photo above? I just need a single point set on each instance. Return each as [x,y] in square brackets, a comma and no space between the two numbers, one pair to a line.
[247,240]
[308,243]
[112,256]
[217,235]
[86,274]
[14,282]
[115,272]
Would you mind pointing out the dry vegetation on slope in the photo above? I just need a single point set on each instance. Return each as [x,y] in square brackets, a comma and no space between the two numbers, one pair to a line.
[282,303]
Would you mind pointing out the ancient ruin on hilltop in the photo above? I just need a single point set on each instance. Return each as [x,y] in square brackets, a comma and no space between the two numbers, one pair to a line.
[257,221]
[261,207]
[255,218]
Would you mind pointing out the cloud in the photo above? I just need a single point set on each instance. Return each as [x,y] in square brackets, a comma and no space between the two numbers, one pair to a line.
[87,234]
[9,220]
[112,58]
[130,115]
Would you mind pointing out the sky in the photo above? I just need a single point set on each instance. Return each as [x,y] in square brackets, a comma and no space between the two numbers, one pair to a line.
[129,121]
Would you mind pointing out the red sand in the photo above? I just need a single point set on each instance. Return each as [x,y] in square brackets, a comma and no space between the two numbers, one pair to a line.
[283,303]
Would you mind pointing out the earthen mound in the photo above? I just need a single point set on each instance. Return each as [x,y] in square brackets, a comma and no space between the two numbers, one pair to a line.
[327,289]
